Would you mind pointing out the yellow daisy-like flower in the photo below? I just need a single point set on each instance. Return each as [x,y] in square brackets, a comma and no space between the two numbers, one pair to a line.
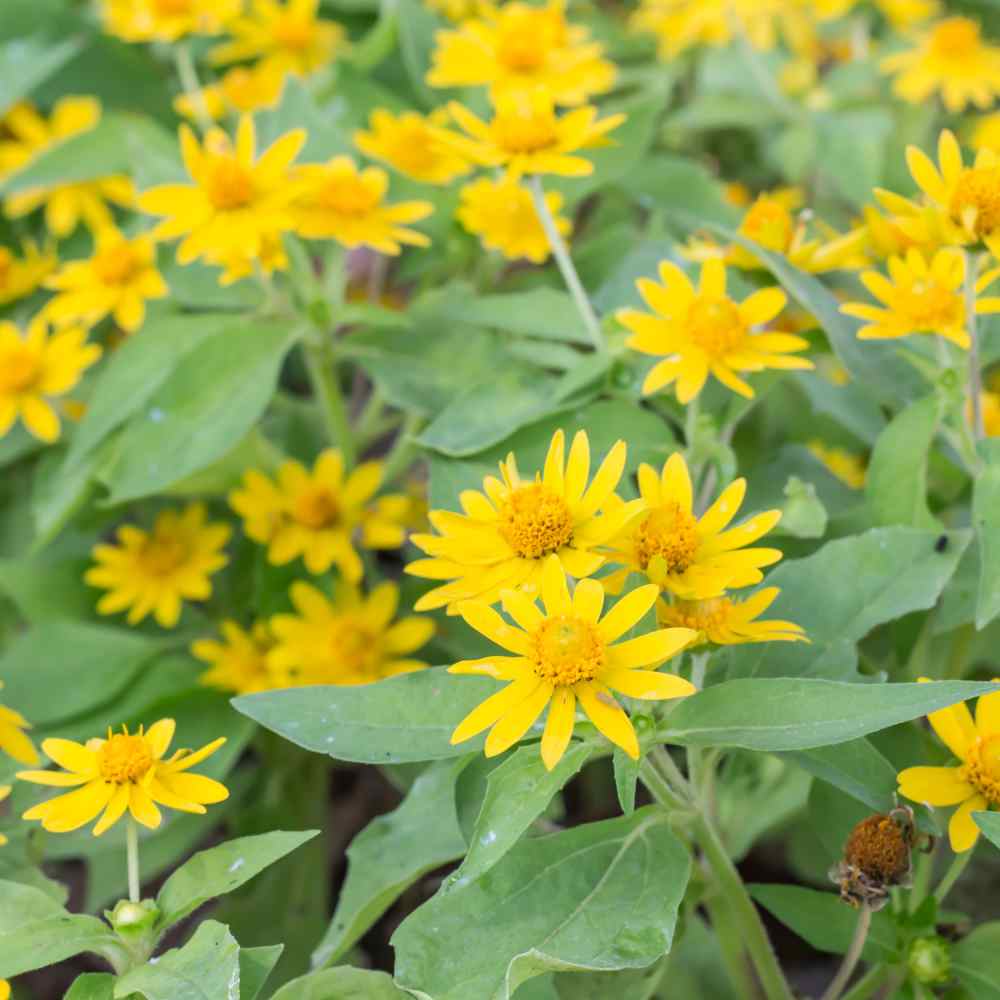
[350,639]
[237,199]
[692,557]
[526,136]
[154,571]
[166,20]
[502,214]
[13,740]
[849,468]
[885,236]
[239,661]
[409,144]
[289,36]
[952,59]
[37,368]
[565,652]
[725,622]
[317,514]
[923,296]
[507,532]
[705,332]
[126,771]
[973,784]
[680,25]
[337,201]
[21,276]
[241,90]
[117,280]
[519,46]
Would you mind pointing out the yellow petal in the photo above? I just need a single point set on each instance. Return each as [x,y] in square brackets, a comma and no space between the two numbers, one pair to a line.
[962,830]
[629,610]
[555,592]
[485,620]
[495,707]
[515,723]
[143,809]
[648,684]
[558,726]
[988,715]
[160,735]
[937,786]
[113,811]
[588,600]
[651,649]
[71,756]
[676,482]
[954,726]
[555,462]
[609,717]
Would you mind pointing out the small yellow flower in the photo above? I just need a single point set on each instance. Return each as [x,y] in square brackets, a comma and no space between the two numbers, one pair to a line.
[519,46]
[847,467]
[974,783]
[337,201]
[154,571]
[726,622]
[408,143]
[126,771]
[526,136]
[565,652]
[166,20]
[37,368]
[289,37]
[885,236]
[507,532]
[317,514]
[13,740]
[239,661]
[502,214]
[21,276]
[350,639]
[705,332]
[692,557]
[680,25]
[923,296]
[241,90]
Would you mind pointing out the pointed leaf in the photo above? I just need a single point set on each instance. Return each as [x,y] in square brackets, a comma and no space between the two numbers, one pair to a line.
[342,984]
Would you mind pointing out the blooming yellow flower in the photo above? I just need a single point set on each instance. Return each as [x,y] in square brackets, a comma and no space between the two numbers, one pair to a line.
[519,46]
[236,200]
[885,236]
[125,771]
[973,784]
[350,639]
[692,557]
[507,532]
[154,571]
[726,622]
[408,143]
[950,58]
[37,368]
[239,661]
[242,89]
[13,740]
[289,36]
[565,652]
[705,332]
[846,466]
[680,25]
[502,214]
[337,201]
[923,296]
[526,136]
[317,514]
[116,280]
[21,276]
[166,20]
[268,257]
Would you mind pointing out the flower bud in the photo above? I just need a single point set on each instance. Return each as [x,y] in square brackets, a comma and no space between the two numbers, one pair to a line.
[929,960]
[128,918]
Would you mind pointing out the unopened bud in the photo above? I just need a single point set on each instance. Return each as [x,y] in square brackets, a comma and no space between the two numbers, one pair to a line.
[929,960]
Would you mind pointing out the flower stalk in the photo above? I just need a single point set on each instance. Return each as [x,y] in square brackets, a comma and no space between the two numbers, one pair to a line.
[325,380]
[189,82]
[132,859]
[853,956]
[952,875]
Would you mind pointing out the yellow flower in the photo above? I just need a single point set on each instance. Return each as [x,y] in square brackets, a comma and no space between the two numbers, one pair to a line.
[692,557]
[242,89]
[20,277]
[705,332]
[117,280]
[726,622]
[520,46]
[950,58]
[37,368]
[455,10]
[408,143]
[990,403]
[290,37]
[153,571]
[125,771]
[506,533]
[973,784]
[526,136]
[239,661]
[350,639]
[923,296]
[166,20]
[680,25]
[502,214]
[893,235]
[316,514]
[847,467]
[13,741]
[567,651]
[903,14]
[337,201]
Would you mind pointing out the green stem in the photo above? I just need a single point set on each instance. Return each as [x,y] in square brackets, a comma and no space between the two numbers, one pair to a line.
[132,858]
[189,81]
[869,984]
[730,940]
[922,878]
[404,449]
[325,381]
[665,765]
[658,786]
[853,956]
[975,374]
[952,875]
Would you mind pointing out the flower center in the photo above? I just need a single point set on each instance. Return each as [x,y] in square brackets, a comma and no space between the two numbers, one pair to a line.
[535,521]
[523,43]
[125,758]
[117,265]
[6,266]
[295,33]
[702,616]
[353,648]
[955,38]
[982,768]
[566,650]
[229,185]
[768,223]
[522,128]
[715,326]
[19,369]
[348,196]
[161,555]
[315,507]
[930,306]
[976,201]
[670,533]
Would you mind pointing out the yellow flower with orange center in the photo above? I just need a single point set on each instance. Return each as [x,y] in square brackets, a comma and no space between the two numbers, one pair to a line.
[725,622]
[502,214]
[20,276]
[337,201]
[705,332]
[974,783]
[349,639]
[153,572]
[238,662]
[125,772]
[507,532]
[166,20]
[241,90]
[691,557]
[849,468]
[317,514]
[564,652]
[13,740]
[36,369]
[519,46]
[408,143]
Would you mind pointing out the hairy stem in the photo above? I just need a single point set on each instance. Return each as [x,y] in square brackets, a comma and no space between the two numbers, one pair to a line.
[952,875]
[132,858]
[869,984]
[730,940]
[325,381]
[853,955]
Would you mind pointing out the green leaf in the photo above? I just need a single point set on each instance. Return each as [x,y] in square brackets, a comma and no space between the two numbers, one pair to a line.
[342,984]
[256,964]
[986,521]
[975,960]
[92,986]
[854,142]
[676,182]
[631,984]
[856,768]
[417,27]
[848,404]
[626,777]
[541,312]
[989,823]
[221,870]
[27,62]
[599,897]
[392,853]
